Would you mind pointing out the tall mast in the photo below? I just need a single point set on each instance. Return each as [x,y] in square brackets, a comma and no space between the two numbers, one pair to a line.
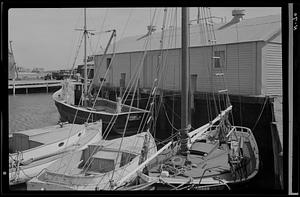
[184,80]
[85,64]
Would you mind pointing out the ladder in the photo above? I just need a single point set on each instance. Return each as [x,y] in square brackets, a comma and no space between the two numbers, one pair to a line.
[221,81]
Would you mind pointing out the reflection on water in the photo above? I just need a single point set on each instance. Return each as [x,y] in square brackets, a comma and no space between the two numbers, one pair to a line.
[30,111]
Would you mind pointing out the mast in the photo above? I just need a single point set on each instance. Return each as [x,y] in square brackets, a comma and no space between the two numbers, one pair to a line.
[85,64]
[184,81]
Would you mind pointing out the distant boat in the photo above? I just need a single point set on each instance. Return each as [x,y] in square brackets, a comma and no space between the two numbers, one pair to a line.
[112,113]
[12,68]
[96,167]
[35,149]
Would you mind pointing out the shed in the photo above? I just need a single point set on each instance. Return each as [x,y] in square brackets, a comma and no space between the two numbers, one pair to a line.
[250,57]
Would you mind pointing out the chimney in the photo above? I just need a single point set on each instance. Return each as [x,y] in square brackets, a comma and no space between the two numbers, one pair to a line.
[238,15]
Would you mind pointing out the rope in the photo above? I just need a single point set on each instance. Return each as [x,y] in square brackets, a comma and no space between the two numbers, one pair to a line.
[131,102]
[238,62]
[263,107]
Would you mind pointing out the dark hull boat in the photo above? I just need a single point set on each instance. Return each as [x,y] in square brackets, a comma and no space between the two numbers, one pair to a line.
[113,120]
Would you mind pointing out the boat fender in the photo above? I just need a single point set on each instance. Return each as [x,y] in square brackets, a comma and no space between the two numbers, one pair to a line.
[164,173]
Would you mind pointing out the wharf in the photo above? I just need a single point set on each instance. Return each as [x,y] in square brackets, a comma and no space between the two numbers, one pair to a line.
[29,84]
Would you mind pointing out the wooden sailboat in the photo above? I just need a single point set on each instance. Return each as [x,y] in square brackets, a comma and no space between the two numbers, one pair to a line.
[98,166]
[35,149]
[213,156]
[101,164]
[106,110]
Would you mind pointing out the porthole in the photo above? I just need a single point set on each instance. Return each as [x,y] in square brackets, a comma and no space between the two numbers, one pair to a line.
[61,144]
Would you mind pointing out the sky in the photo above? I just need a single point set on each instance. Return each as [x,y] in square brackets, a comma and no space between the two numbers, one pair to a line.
[46,37]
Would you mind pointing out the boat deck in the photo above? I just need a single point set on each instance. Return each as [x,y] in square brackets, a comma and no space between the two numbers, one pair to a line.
[46,135]
[214,165]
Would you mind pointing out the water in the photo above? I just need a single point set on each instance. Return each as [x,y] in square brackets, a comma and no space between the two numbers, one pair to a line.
[30,111]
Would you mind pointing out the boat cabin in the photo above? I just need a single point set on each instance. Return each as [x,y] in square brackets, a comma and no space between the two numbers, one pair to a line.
[29,139]
[98,159]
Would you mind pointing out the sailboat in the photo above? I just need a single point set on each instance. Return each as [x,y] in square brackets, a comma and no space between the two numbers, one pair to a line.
[33,150]
[106,110]
[214,156]
[98,166]
[103,163]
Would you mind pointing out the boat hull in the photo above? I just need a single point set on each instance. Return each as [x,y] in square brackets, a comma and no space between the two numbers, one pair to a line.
[112,122]
[25,172]
[62,177]
[212,173]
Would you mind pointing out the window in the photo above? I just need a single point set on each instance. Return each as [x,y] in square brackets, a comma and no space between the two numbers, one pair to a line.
[108,60]
[219,59]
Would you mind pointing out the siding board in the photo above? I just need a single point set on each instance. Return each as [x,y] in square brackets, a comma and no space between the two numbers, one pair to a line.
[272,64]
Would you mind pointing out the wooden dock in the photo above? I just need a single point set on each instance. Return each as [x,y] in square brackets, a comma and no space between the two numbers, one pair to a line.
[29,84]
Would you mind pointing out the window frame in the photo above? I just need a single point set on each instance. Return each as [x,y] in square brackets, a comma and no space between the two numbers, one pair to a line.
[222,61]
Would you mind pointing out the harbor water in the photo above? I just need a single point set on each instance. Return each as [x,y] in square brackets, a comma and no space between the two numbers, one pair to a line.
[30,111]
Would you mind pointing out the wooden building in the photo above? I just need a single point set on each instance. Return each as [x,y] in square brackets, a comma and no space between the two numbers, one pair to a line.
[250,54]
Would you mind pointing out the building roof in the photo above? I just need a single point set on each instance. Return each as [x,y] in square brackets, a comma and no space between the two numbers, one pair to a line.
[247,30]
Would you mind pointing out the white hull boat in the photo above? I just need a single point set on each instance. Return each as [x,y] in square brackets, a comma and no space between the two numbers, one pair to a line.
[35,149]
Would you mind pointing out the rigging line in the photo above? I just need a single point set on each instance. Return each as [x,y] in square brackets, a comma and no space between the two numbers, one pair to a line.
[238,70]
[131,101]
[138,71]
[107,71]
[109,127]
[122,137]
[212,41]
[209,68]
[133,78]
[150,139]
[222,65]
[164,65]
[261,112]
[72,128]
[101,28]
[226,95]
[160,62]
[174,71]
[73,41]
[154,87]
[114,56]
[76,55]
[129,110]
[173,127]
[136,74]
[91,46]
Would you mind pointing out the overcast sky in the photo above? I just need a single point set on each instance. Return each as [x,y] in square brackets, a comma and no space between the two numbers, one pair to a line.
[45,37]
